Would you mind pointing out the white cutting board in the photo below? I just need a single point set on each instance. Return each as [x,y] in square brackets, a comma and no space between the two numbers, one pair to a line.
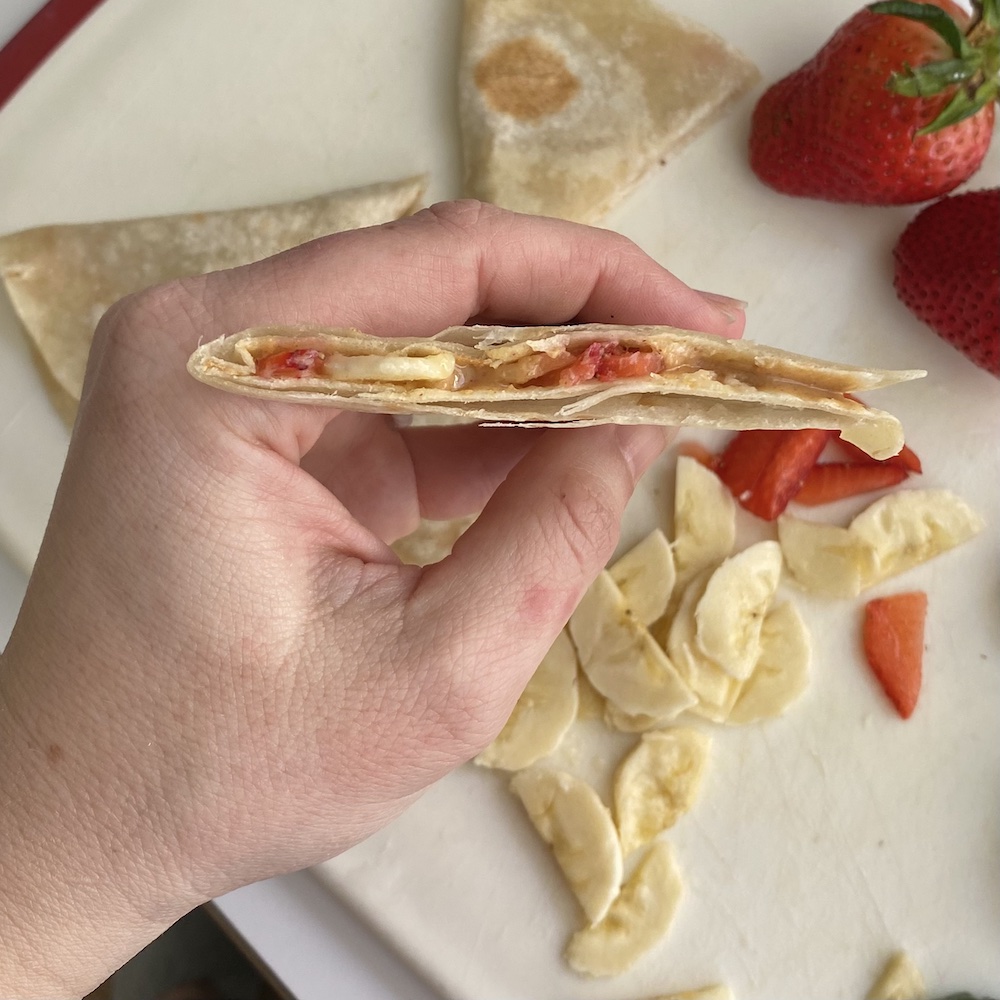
[823,840]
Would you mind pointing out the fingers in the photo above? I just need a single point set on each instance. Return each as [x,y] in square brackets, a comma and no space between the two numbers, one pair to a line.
[459,260]
[523,565]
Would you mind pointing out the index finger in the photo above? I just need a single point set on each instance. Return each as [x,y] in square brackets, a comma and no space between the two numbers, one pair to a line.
[458,261]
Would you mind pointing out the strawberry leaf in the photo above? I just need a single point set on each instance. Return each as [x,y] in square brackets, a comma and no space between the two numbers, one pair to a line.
[932,78]
[934,17]
[963,105]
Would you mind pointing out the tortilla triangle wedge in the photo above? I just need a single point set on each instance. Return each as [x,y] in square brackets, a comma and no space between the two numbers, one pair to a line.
[565,105]
[62,278]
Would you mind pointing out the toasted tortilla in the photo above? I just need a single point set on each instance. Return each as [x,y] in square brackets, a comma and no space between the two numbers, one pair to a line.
[566,105]
[522,375]
[61,279]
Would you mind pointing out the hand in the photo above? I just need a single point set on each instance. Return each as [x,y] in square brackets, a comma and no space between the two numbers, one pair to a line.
[221,671]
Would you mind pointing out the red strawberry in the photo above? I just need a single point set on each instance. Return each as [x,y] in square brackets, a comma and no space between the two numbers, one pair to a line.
[948,273]
[765,469]
[896,108]
[893,635]
[831,481]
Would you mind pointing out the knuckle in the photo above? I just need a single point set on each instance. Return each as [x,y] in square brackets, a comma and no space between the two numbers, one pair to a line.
[586,520]
[463,214]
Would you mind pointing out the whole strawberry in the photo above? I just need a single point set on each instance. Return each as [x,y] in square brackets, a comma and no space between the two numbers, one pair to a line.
[948,272]
[896,108]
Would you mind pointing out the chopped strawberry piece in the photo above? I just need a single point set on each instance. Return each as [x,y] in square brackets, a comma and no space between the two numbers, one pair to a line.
[744,459]
[701,454]
[893,635]
[625,363]
[831,481]
[290,364]
[765,469]
[605,362]
[906,459]
[785,473]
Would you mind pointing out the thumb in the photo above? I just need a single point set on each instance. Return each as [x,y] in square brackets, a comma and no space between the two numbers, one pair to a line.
[514,578]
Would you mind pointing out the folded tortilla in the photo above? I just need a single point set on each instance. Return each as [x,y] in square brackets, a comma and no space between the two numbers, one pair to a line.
[61,279]
[557,376]
[566,105]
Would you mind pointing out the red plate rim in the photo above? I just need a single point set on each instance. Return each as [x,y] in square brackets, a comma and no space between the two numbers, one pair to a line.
[37,40]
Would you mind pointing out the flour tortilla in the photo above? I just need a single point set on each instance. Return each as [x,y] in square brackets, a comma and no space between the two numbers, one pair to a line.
[566,105]
[61,279]
[707,381]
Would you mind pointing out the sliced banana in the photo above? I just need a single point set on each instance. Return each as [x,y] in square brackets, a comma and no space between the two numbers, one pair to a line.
[657,783]
[909,527]
[730,614]
[704,519]
[578,826]
[430,541]
[715,690]
[717,992]
[638,919]
[542,715]
[900,980]
[825,559]
[781,673]
[625,722]
[620,657]
[645,576]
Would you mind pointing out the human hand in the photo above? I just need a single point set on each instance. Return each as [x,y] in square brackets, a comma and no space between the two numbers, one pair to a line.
[221,671]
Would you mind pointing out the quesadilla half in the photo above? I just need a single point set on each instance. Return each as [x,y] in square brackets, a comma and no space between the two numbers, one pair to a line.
[561,376]
[565,105]
[61,279]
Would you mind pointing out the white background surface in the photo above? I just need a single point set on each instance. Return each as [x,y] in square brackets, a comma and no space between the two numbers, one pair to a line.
[820,845]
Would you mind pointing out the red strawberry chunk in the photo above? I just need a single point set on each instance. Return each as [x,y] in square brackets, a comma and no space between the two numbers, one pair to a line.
[291,364]
[784,475]
[893,636]
[765,469]
[744,459]
[831,481]
[605,362]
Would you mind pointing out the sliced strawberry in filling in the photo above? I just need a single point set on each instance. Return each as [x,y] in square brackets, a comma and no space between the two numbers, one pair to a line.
[604,362]
[291,364]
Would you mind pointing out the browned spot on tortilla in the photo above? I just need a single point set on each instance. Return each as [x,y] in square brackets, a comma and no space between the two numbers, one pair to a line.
[54,753]
[525,79]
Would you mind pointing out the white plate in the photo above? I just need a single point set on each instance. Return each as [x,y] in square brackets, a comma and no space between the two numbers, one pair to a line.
[824,840]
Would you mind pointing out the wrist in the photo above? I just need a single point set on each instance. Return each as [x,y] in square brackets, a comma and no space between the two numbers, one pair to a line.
[81,882]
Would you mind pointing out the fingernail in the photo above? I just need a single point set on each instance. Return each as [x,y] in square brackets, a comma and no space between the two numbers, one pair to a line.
[642,445]
[726,304]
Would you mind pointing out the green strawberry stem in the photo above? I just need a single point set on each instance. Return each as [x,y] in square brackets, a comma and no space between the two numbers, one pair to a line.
[973,69]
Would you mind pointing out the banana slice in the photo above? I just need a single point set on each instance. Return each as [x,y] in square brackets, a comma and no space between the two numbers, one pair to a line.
[715,690]
[624,722]
[717,992]
[909,527]
[781,673]
[639,917]
[657,783]
[542,715]
[825,559]
[573,820]
[645,576]
[704,519]
[620,657]
[430,541]
[900,980]
[730,614]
